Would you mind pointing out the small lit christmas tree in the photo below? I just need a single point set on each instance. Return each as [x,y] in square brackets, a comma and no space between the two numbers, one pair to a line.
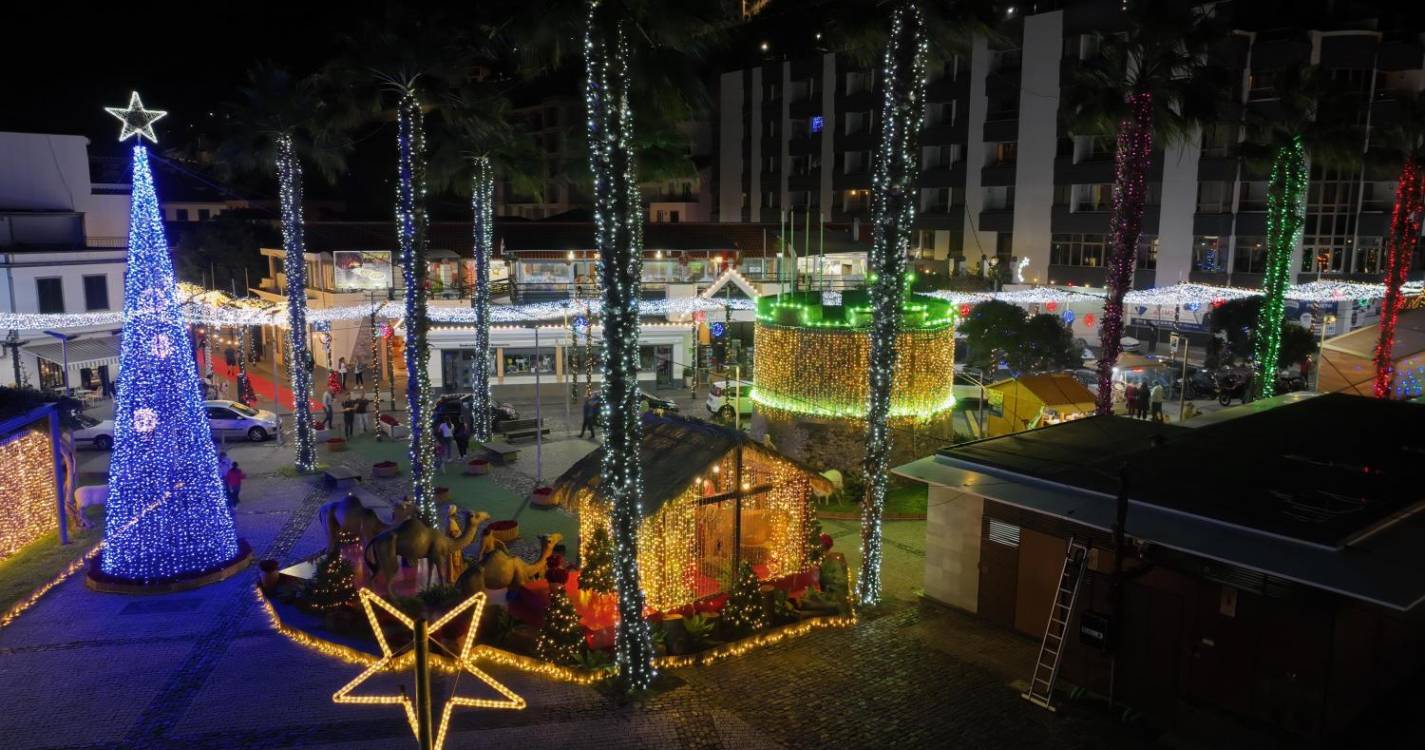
[334,584]
[597,574]
[561,638]
[745,611]
[815,548]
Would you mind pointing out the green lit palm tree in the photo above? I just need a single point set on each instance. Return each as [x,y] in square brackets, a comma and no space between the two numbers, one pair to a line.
[1152,81]
[1403,143]
[1299,117]
[278,123]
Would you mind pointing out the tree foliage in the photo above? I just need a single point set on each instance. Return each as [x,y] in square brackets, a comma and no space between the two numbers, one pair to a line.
[999,332]
[597,573]
[561,637]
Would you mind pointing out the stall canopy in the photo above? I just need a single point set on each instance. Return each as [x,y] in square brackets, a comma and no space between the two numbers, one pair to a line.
[86,352]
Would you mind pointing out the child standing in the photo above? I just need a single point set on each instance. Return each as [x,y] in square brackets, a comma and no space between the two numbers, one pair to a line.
[233,480]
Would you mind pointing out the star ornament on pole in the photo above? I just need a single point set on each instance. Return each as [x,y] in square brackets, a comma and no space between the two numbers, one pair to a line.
[463,659]
[137,120]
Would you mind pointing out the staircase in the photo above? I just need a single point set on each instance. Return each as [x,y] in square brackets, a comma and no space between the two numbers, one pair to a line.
[1051,650]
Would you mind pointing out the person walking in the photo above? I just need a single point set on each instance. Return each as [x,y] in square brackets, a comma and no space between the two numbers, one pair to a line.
[591,410]
[223,390]
[363,405]
[462,437]
[360,372]
[327,408]
[224,463]
[233,481]
[1130,402]
[445,435]
[1141,401]
[348,414]
[341,370]
[1155,397]
[441,451]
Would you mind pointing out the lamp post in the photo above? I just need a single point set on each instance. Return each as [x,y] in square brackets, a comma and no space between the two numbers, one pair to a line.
[1327,320]
[64,340]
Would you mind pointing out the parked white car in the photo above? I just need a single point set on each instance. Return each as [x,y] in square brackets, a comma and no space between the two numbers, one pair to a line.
[723,399]
[94,432]
[234,419]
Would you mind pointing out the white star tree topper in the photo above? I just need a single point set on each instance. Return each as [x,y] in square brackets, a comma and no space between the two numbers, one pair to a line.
[137,120]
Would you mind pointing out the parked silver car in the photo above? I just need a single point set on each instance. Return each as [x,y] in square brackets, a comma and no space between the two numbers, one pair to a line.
[234,419]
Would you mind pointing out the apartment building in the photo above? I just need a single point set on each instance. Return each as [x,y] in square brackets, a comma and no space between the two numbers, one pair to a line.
[1002,177]
[62,250]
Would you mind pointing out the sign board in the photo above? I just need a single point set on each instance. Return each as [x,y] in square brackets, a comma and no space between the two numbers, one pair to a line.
[1094,629]
[357,270]
[1173,342]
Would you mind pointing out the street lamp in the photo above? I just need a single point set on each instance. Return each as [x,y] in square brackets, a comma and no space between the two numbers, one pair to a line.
[64,340]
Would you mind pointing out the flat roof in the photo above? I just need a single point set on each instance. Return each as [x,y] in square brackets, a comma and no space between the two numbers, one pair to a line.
[1321,491]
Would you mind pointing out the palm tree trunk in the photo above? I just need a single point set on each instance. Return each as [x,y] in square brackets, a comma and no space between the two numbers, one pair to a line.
[411,233]
[1130,193]
[294,265]
[1286,196]
[896,171]
[1400,249]
[618,230]
[482,200]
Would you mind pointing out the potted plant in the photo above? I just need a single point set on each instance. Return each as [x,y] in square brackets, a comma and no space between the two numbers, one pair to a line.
[336,444]
[505,531]
[687,377]
[442,494]
[385,469]
[477,467]
[542,497]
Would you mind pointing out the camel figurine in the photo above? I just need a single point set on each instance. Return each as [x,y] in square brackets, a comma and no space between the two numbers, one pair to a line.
[414,540]
[349,515]
[499,569]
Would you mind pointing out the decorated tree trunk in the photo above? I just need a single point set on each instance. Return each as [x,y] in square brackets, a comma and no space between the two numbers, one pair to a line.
[618,228]
[411,234]
[1130,194]
[1286,198]
[1400,248]
[483,202]
[167,515]
[289,184]
[895,194]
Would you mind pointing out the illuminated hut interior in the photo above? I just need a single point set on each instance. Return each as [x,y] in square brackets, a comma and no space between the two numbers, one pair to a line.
[712,498]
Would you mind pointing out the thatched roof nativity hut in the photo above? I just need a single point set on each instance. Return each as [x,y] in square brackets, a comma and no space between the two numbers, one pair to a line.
[712,498]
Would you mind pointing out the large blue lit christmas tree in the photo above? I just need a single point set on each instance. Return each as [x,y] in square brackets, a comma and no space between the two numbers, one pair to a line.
[167,517]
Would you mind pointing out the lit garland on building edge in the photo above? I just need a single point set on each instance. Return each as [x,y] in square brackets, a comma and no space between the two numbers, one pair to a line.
[1130,193]
[163,456]
[411,223]
[894,197]
[294,265]
[618,226]
[1286,204]
[482,202]
[27,486]
[1400,248]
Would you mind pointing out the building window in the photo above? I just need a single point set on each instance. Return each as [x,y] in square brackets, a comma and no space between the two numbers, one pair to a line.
[1209,254]
[96,292]
[940,114]
[673,217]
[1218,140]
[1093,198]
[856,122]
[1250,256]
[1328,237]
[1147,252]
[1379,196]
[854,162]
[1254,197]
[524,361]
[49,293]
[859,82]
[180,214]
[940,157]
[999,198]
[1001,153]
[771,128]
[1004,246]
[1214,197]
[203,214]
[1369,258]
[1092,147]
[1084,250]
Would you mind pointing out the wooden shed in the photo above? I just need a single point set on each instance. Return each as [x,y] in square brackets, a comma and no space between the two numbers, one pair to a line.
[1348,361]
[1031,401]
[712,498]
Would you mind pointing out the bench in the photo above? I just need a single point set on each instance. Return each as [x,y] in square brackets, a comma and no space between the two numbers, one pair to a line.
[521,429]
[337,474]
[501,452]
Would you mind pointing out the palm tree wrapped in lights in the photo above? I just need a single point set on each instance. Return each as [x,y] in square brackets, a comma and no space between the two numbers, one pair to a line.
[1152,78]
[1405,142]
[278,123]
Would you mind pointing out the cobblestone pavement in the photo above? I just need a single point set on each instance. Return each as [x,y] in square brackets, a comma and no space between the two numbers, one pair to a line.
[203,670]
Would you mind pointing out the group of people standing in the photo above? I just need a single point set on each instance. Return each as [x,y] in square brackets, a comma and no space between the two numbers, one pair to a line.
[1144,401]
[355,411]
[355,369]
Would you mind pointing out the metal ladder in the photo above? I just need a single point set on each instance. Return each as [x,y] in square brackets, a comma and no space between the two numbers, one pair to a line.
[1051,649]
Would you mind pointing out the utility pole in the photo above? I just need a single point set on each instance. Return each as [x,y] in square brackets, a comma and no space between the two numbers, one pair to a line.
[424,726]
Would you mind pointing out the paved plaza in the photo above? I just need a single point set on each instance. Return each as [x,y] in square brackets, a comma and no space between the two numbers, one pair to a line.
[205,669]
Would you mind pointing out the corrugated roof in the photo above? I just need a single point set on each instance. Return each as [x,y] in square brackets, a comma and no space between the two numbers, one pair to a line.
[1055,389]
[1409,338]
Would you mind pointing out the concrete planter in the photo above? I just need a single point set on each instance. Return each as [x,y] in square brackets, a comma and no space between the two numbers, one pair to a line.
[336,444]
[542,497]
[477,467]
[385,469]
